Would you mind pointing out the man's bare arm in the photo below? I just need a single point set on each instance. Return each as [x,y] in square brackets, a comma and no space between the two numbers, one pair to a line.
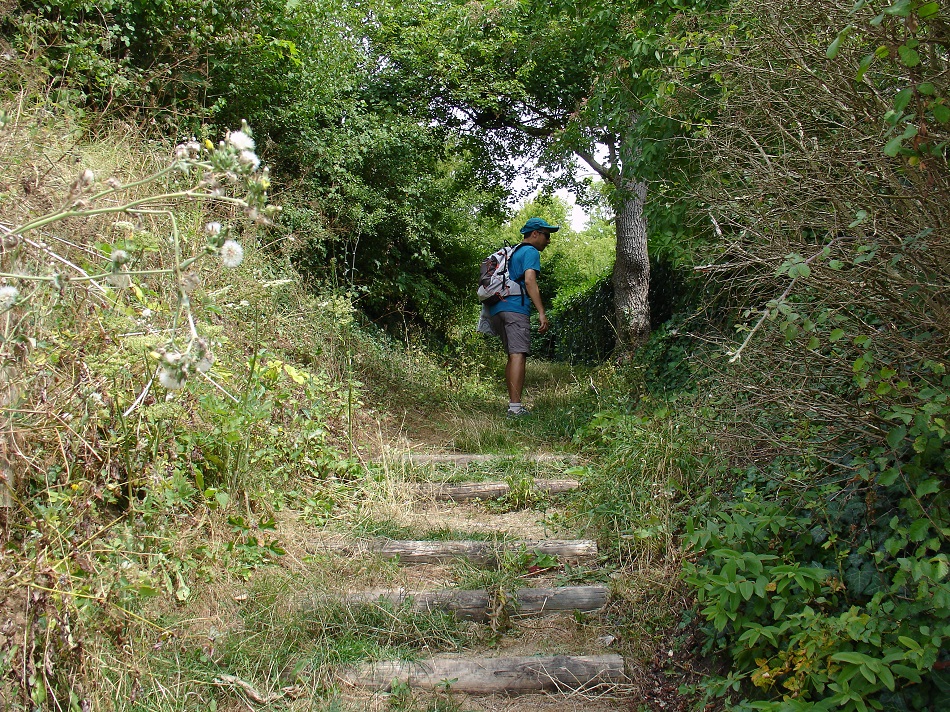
[531,287]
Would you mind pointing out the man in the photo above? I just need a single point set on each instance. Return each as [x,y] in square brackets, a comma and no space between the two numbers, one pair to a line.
[510,318]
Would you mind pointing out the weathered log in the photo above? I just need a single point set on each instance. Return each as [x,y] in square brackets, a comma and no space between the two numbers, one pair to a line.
[490,490]
[438,458]
[476,605]
[562,673]
[479,552]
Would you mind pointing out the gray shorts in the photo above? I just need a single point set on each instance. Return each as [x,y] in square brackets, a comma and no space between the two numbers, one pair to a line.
[515,331]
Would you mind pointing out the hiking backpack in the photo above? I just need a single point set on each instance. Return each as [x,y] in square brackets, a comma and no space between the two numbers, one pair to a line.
[494,284]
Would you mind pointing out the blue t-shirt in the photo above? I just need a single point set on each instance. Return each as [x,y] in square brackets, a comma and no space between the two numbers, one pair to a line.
[526,257]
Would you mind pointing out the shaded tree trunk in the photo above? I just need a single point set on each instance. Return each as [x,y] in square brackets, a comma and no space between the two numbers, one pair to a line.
[631,278]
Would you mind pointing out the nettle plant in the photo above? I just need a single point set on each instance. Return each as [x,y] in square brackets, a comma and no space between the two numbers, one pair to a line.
[36,258]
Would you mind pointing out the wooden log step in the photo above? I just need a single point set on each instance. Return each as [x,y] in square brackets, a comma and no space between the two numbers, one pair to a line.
[477,605]
[440,458]
[479,552]
[490,490]
[520,675]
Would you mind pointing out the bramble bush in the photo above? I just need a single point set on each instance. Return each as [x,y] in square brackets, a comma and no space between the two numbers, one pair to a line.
[820,558]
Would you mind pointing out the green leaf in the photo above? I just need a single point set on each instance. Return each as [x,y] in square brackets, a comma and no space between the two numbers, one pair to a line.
[930,486]
[833,48]
[901,8]
[852,657]
[941,112]
[908,56]
[896,436]
[893,147]
[928,10]
[863,66]
[902,99]
[927,89]
[918,530]
[836,335]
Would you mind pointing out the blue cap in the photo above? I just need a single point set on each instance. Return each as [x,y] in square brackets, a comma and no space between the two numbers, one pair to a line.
[538,224]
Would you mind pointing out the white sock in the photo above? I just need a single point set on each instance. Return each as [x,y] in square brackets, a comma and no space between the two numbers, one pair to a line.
[514,406]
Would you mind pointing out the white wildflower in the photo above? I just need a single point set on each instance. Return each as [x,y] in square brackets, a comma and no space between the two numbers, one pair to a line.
[86,178]
[119,257]
[8,297]
[232,254]
[172,380]
[146,313]
[241,141]
[249,158]
[113,183]
[213,228]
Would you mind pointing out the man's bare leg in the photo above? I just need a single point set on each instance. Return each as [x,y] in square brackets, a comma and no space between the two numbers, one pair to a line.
[514,376]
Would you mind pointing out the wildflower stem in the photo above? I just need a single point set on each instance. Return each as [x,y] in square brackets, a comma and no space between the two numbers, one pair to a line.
[63,260]
[131,207]
[141,396]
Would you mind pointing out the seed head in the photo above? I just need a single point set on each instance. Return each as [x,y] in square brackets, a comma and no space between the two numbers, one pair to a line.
[8,297]
[232,254]
[241,141]
[249,158]
[189,282]
[171,379]
[213,228]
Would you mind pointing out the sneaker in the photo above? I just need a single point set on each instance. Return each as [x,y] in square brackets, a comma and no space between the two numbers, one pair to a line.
[519,412]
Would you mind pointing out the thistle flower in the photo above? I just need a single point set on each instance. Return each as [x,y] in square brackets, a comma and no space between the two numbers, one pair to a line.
[113,183]
[241,141]
[232,254]
[213,228]
[8,297]
[189,282]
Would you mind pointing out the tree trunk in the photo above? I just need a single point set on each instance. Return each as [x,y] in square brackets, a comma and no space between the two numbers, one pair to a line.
[632,270]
